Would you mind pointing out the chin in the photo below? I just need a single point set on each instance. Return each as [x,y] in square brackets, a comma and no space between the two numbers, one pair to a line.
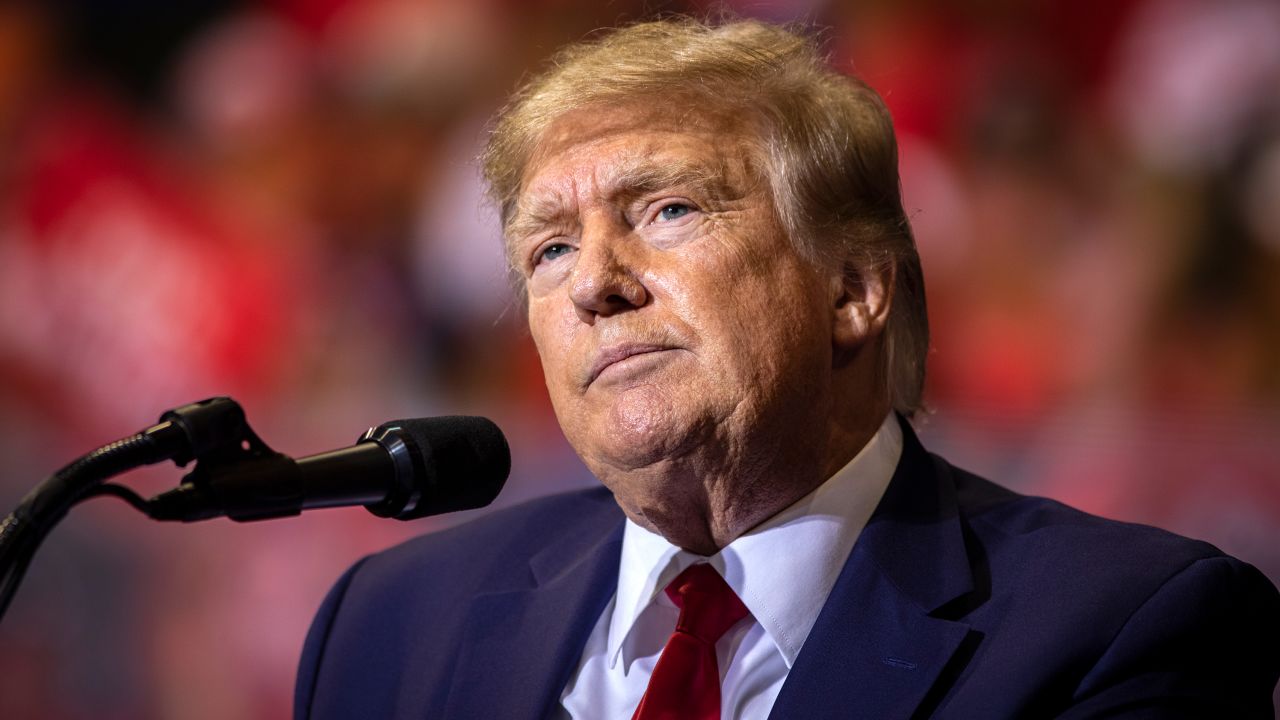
[642,428]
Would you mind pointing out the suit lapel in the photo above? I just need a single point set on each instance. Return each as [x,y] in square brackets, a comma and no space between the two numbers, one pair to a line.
[875,650]
[521,645]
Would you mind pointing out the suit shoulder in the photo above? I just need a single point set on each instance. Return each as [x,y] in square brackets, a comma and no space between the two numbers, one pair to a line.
[502,537]
[1058,532]
[1088,616]
[424,582]
[1034,552]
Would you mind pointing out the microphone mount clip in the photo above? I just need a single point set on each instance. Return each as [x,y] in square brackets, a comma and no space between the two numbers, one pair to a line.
[231,460]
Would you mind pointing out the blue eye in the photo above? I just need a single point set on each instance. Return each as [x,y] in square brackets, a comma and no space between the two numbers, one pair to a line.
[674,211]
[553,251]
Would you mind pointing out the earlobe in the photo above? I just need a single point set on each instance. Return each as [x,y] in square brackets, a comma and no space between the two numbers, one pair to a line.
[861,304]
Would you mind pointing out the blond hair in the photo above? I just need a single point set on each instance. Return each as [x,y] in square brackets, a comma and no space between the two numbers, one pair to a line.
[825,139]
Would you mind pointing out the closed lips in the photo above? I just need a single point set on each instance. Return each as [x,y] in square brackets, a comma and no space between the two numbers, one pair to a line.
[619,353]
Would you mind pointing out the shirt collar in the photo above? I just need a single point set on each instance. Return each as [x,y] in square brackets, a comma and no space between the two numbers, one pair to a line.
[784,568]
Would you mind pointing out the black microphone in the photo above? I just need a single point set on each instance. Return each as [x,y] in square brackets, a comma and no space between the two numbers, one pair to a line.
[403,469]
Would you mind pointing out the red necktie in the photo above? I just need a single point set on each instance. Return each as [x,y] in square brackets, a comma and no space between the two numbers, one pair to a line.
[685,684]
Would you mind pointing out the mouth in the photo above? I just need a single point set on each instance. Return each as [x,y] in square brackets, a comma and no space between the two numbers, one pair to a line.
[617,354]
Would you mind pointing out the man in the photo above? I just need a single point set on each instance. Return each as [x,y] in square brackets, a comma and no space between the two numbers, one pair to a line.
[722,286]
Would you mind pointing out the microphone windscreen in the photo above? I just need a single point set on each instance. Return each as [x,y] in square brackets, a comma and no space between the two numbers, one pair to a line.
[460,462]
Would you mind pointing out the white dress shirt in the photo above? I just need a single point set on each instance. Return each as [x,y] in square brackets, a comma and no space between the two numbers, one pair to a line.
[783,570]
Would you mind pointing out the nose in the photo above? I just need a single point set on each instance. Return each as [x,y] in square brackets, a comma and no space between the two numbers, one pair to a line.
[606,275]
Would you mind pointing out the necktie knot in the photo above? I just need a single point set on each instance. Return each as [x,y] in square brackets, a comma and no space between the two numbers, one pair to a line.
[708,606]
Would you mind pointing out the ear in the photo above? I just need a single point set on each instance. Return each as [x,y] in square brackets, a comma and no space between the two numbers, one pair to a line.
[861,301]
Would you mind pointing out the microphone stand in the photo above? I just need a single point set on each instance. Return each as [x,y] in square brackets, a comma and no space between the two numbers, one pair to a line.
[213,432]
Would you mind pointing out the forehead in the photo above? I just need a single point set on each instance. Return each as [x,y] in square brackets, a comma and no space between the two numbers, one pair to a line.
[631,148]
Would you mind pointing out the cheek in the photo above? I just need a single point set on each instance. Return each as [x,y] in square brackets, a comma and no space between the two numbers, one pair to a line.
[553,339]
[772,325]
[547,340]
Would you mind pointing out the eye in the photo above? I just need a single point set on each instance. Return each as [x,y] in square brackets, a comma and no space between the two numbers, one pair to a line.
[673,211]
[551,252]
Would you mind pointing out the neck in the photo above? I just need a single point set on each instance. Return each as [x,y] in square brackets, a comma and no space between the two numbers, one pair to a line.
[709,504]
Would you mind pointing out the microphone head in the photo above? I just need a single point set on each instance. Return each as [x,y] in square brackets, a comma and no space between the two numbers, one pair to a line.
[443,464]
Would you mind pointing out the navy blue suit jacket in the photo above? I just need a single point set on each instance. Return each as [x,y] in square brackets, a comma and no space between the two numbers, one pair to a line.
[961,599]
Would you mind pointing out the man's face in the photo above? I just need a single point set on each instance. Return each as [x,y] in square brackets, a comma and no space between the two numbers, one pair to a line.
[674,319]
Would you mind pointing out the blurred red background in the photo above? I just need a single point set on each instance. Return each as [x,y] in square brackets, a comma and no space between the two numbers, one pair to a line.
[277,201]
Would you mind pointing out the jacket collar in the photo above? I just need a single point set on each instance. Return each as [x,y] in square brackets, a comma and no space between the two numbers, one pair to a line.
[878,647]
[915,535]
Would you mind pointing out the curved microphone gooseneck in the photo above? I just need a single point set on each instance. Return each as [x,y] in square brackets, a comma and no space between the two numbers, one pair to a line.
[403,469]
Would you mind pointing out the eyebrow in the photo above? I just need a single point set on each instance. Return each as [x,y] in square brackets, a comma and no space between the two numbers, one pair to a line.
[534,213]
[641,176]
[636,176]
